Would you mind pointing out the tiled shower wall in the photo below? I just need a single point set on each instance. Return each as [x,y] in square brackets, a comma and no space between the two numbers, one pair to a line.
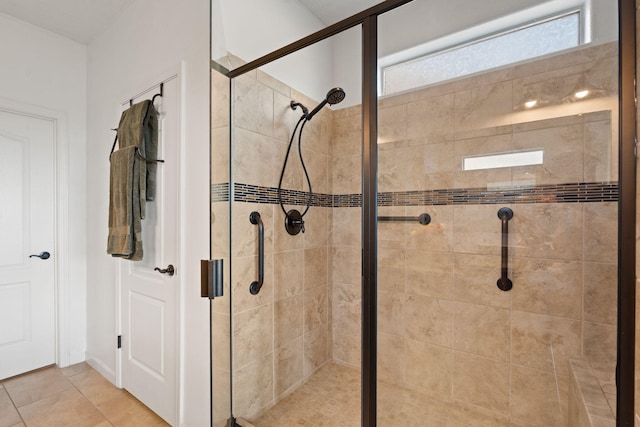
[445,328]
[280,336]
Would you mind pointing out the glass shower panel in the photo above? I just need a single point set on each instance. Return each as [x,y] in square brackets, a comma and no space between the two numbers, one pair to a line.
[220,250]
[295,265]
[502,309]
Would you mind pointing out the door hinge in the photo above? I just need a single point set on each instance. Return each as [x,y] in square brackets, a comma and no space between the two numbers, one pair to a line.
[211,278]
[119,341]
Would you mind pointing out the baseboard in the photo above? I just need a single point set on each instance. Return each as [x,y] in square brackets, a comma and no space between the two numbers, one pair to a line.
[101,367]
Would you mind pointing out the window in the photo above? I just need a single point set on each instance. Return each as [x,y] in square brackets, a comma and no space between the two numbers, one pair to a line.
[551,35]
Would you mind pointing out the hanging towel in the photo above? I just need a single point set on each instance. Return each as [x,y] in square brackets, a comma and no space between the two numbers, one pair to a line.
[125,227]
[138,127]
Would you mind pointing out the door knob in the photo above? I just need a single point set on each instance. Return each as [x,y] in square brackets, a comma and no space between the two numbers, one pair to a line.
[42,255]
[170,270]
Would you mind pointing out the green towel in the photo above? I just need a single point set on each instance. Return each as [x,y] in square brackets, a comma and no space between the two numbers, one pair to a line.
[139,127]
[125,226]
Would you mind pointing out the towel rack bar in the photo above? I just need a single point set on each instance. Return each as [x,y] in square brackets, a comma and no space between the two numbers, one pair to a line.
[423,218]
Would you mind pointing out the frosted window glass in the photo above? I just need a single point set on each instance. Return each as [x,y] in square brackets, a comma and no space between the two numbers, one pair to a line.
[519,45]
[492,161]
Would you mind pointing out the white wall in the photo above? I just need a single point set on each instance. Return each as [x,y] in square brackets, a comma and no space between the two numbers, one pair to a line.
[253,28]
[48,71]
[149,38]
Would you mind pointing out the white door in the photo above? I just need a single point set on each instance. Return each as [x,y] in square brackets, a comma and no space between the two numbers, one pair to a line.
[27,285]
[149,299]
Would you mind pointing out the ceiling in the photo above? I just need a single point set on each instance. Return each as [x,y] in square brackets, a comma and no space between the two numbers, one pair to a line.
[79,20]
[82,20]
[332,11]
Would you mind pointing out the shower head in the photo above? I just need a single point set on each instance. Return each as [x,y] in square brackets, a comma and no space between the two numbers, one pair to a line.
[334,96]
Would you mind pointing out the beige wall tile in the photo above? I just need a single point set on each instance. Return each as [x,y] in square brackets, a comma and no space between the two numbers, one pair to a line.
[288,320]
[347,136]
[482,330]
[544,342]
[430,274]
[563,154]
[391,357]
[316,224]
[346,229]
[316,267]
[245,234]
[601,232]
[475,280]
[346,265]
[477,229]
[245,272]
[600,343]
[288,371]
[601,293]
[392,123]
[428,320]
[437,236]
[547,287]
[253,160]
[600,153]
[483,106]
[253,335]
[346,174]
[346,330]
[537,397]
[316,308]
[253,390]
[474,147]
[546,231]
[439,127]
[288,275]
[316,349]
[480,381]
[429,367]
[392,313]
[252,104]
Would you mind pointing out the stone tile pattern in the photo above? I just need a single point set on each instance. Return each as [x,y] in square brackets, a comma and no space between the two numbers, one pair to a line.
[588,405]
[73,396]
[445,330]
[282,335]
[562,193]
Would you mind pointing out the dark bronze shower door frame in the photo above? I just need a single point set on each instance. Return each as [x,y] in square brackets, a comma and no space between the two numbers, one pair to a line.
[627,205]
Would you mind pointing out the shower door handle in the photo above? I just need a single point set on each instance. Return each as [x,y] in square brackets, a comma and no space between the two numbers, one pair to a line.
[505,214]
[255,286]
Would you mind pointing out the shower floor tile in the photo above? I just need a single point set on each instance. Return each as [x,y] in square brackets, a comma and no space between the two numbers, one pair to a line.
[331,398]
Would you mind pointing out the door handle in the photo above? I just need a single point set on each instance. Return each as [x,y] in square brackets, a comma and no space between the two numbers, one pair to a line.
[41,255]
[170,270]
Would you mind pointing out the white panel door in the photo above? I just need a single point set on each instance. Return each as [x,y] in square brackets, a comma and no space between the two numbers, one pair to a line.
[27,285]
[149,299]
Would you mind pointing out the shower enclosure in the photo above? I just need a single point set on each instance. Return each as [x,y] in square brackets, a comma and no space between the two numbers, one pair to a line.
[468,253]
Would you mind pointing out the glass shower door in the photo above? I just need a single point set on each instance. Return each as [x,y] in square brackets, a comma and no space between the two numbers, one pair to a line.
[294,246]
[502,309]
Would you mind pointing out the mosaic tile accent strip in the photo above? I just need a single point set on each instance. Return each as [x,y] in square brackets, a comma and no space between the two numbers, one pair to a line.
[220,192]
[561,193]
[269,195]
[582,192]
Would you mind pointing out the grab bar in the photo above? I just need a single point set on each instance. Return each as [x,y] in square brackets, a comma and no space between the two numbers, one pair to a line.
[505,214]
[255,286]
[423,218]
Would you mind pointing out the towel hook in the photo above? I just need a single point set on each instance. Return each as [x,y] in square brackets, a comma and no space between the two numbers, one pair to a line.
[161,94]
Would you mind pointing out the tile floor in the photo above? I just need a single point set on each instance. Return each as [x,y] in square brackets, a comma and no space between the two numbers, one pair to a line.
[76,396]
[331,398]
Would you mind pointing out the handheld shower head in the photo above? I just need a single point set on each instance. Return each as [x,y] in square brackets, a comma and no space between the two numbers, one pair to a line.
[334,96]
